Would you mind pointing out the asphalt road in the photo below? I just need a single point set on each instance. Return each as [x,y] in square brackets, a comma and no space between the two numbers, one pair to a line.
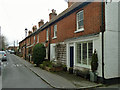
[16,75]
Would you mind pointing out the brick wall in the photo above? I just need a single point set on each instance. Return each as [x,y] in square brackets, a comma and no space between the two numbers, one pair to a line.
[67,26]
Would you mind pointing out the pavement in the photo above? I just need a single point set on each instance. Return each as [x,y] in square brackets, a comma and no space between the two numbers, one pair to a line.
[61,81]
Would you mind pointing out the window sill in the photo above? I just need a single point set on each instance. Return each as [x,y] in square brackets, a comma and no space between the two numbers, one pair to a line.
[54,38]
[79,30]
[82,65]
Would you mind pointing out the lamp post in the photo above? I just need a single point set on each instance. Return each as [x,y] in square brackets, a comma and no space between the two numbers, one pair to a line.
[25,41]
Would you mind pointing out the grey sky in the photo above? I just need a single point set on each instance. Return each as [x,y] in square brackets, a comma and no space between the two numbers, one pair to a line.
[16,15]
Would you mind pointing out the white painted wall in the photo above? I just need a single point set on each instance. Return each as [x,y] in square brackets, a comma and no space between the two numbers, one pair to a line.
[111,40]
[98,46]
[119,38]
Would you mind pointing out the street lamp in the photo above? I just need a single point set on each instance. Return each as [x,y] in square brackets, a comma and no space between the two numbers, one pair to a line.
[25,41]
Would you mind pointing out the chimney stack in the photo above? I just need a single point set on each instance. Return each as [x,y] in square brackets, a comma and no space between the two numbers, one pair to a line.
[34,28]
[40,23]
[70,3]
[53,14]
[29,32]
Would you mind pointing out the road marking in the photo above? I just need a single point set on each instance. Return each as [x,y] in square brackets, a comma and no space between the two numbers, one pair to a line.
[16,65]
[4,65]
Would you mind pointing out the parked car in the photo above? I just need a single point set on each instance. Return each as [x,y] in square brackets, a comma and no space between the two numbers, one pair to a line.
[3,56]
[12,52]
[0,68]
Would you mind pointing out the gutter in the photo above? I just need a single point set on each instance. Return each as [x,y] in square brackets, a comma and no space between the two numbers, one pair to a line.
[102,30]
[49,43]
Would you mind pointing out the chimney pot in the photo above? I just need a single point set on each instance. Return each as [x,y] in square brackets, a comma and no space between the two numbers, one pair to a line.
[29,32]
[41,23]
[34,28]
[53,14]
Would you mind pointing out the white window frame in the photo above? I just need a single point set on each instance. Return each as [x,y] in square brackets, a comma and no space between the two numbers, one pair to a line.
[81,64]
[47,35]
[55,31]
[77,20]
[38,38]
[34,39]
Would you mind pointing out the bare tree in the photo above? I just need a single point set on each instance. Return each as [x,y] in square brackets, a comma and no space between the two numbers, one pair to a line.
[3,42]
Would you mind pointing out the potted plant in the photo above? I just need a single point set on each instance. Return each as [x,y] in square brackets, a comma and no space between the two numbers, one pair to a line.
[64,68]
[94,66]
[71,70]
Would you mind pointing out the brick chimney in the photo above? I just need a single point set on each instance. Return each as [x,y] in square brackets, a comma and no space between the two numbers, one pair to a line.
[70,3]
[41,23]
[34,28]
[53,14]
[29,32]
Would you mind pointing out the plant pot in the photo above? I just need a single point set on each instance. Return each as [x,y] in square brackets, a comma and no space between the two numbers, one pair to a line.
[93,76]
[71,70]
[58,69]
[65,69]
[47,68]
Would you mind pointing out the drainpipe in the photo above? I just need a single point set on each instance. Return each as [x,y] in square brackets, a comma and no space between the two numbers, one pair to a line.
[49,43]
[25,49]
[102,30]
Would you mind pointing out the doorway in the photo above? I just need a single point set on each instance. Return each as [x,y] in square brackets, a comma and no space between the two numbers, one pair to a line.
[71,56]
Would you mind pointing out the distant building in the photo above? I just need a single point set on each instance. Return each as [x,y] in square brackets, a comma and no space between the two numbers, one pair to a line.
[12,48]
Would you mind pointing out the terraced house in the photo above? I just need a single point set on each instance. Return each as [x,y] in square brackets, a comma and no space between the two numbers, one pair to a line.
[72,36]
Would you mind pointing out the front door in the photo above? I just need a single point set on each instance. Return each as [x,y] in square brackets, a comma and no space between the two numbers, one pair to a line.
[71,56]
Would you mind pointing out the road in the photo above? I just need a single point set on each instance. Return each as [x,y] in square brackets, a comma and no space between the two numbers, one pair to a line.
[16,75]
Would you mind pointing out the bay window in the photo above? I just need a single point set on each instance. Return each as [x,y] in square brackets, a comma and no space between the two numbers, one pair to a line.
[84,53]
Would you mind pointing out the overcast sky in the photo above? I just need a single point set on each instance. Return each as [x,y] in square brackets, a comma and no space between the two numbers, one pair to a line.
[16,15]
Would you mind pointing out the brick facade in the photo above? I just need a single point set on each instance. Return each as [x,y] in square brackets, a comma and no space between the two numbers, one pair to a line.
[66,28]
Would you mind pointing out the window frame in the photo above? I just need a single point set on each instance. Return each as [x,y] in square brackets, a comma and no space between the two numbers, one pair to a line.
[38,38]
[80,62]
[55,31]
[47,35]
[34,39]
[77,20]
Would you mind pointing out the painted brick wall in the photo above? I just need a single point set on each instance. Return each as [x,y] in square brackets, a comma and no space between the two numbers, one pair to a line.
[61,53]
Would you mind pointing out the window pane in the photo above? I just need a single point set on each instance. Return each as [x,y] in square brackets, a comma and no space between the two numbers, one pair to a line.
[90,51]
[55,33]
[80,20]
[78,17]
[84,53]
[79,53]
[81,23]
[55,30]
[81,16]
[47,34]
